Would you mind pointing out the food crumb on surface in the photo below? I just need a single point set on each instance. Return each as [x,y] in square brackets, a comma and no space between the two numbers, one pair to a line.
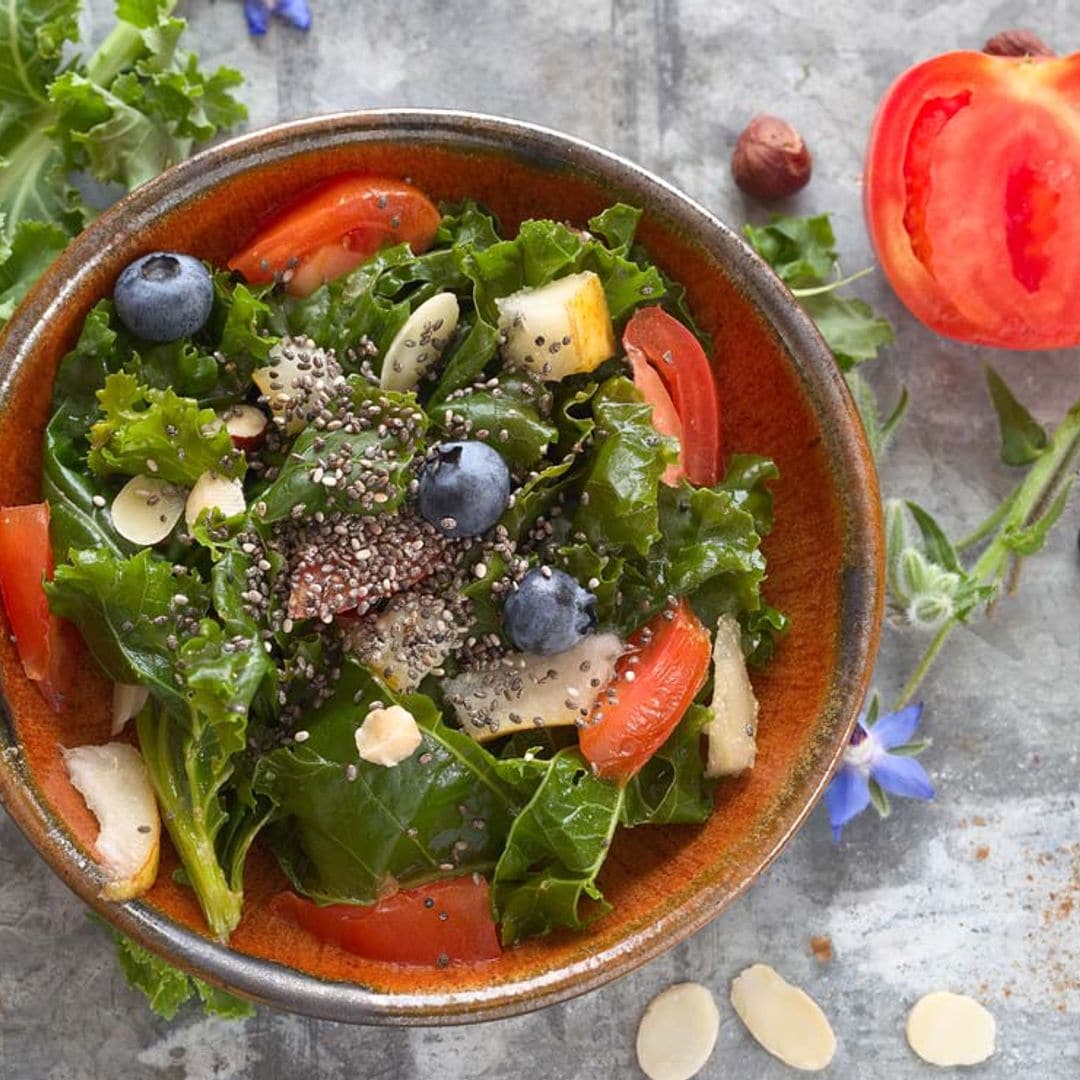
[821,947]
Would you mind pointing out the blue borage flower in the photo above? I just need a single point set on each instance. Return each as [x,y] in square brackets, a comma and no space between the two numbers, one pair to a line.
[258,13]
[869,771]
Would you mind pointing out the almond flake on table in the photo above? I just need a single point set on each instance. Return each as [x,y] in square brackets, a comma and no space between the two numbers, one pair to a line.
[785,1020]
[677,1034]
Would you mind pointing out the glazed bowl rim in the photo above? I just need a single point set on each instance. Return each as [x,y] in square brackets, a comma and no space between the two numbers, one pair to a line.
[275,984]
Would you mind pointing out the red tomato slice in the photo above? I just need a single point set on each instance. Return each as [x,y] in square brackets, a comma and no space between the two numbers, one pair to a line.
[664,417]
[44,641]
[972,197]
[335,226]
[431,926]
[672,656]
[655,337]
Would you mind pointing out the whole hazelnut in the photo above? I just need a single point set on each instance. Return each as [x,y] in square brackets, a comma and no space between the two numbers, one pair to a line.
[1017,43]
[771,161]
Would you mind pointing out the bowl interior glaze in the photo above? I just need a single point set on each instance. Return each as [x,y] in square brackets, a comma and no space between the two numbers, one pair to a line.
[781,396]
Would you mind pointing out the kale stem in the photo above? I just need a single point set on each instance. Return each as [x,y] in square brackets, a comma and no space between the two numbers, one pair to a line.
[120,49]
[1035,493]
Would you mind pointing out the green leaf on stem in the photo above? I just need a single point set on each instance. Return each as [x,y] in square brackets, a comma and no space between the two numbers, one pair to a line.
[1023,438]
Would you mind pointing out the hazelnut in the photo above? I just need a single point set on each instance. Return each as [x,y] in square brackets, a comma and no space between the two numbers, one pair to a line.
[1017,43]
[771,161]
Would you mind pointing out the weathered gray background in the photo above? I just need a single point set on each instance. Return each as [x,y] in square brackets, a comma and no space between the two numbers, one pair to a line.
[973,892]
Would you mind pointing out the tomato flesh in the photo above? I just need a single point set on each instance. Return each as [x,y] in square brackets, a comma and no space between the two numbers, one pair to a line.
[329,230]
[667,665]
[432,926]
[44,641]
[972,197]
[655,338]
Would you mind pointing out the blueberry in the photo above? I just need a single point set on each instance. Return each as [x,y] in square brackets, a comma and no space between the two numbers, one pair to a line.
[549,613]
[164,296]
[464,488]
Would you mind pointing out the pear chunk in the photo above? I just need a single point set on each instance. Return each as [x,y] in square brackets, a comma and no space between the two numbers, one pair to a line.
[558,329]
[115,784]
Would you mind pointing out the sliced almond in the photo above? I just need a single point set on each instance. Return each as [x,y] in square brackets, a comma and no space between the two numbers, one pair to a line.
[677,1034]
[388,736]
[784,1019]
[213,492]
[127,703]
[732,733]
[951,1029]
[419,344]
[246,426]
[115,784]
[146,509]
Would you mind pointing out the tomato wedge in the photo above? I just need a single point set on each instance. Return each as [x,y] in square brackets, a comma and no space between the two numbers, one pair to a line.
[972,197]
[335,226]
[431,926]
[654,338]
[44,641]
[664,417]
[654,686]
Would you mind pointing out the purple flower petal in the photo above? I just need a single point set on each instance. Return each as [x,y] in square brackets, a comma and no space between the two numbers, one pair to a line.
[896,728]
[294,12]
[258,16]
[902,776]
[846,797]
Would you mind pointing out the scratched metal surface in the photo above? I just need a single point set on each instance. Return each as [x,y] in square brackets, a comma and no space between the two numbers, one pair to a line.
[974,892]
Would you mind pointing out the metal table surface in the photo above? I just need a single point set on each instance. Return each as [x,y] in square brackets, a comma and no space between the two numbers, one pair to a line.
[973,892]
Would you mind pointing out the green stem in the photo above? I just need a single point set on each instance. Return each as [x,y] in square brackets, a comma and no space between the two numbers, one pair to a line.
[120,49]
[982,531]
[1037,491]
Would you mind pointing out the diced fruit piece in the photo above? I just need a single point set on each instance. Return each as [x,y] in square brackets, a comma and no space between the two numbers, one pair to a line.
[246,426]
[677,1034]
[464,488]
[214,492]
[430,926]
[664,416]
[549,612]
[558,329]
[951,1029]
[377,558]
[656,682]
[388,736]
[146,508]
[335,226]
[654,337]
[127,703]
[298,371]
[164,296]
[114,782]
[406,641]
[732,733]
[785,1020]
[45,641]
[518,692]
[419,344]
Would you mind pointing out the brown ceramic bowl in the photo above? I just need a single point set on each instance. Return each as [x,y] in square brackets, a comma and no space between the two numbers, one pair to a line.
[782,395]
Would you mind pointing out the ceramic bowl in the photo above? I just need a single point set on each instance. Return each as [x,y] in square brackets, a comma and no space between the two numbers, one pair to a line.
[782,395]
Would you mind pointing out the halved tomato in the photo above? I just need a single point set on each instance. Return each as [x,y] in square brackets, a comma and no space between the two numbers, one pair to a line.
[654,338]
[45,642]
[333,227]
[654,685]
[972,197]
[431,926]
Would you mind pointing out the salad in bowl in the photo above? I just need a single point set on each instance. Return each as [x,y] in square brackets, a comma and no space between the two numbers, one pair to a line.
[416,555]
